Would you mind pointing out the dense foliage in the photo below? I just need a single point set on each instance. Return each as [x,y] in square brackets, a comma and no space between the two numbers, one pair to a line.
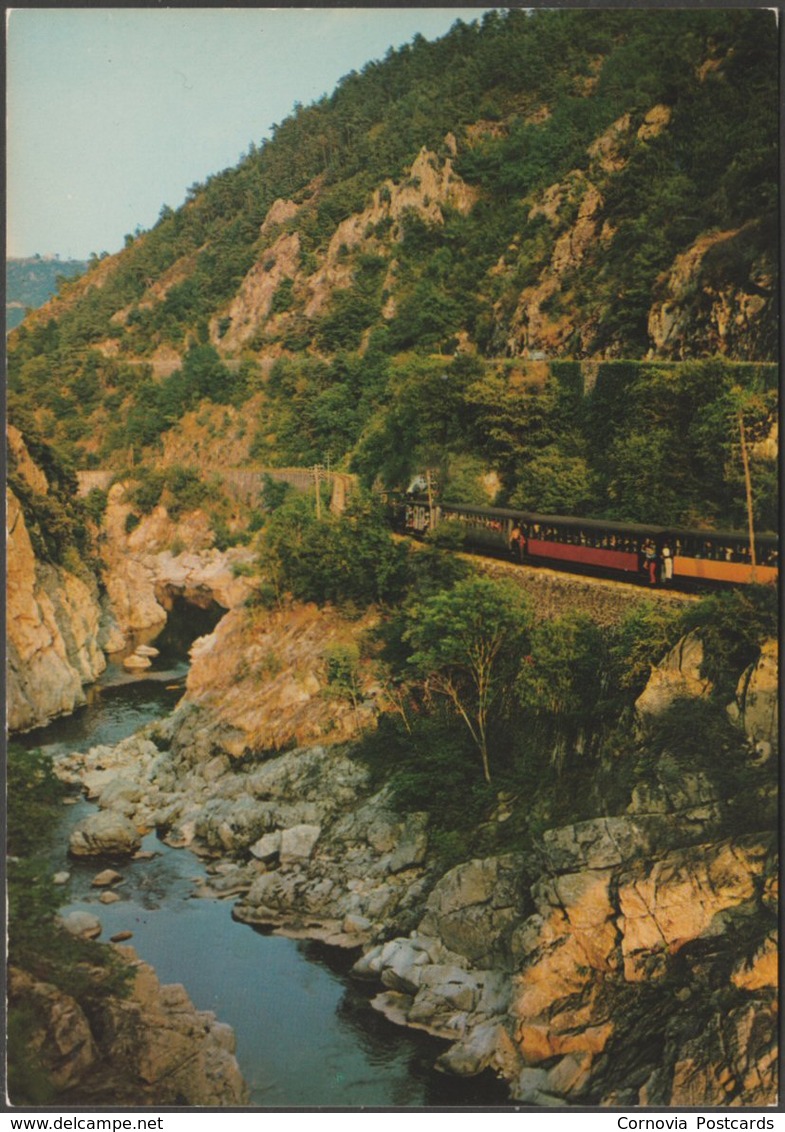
[383,351]
[56,519]
[349,559]
[485,702]
[548,707]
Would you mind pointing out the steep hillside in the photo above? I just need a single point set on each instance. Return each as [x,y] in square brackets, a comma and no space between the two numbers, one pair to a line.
[30,281]
[560,185]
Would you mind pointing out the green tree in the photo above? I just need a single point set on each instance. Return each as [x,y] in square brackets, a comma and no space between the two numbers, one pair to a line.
[466,642]
[561,681]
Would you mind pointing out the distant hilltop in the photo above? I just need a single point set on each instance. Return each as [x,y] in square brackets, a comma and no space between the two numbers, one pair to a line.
[31,280]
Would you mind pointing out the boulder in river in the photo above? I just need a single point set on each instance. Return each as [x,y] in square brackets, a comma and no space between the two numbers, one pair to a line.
[146,650]
[83,924]
[105,834]
[106,878]
[135,661]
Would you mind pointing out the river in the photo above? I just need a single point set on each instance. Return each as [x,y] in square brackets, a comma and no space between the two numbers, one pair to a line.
[306,1033]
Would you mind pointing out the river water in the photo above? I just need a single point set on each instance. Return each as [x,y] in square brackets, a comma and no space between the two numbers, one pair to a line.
[306,1034]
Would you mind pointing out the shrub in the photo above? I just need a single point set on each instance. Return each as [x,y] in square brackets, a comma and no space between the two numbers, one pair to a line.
[343,671]
[95,504]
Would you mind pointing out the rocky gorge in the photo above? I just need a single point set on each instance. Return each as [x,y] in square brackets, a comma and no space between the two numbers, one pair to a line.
[603,946]
[598,946]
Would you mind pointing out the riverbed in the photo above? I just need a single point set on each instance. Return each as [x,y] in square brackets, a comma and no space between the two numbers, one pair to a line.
[306,1033]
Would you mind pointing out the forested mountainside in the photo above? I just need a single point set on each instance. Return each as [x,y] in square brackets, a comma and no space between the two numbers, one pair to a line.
[31,280]
[484,254]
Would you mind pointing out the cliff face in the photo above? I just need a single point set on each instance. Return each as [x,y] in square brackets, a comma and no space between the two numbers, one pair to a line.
[53,620]
[152,1047]
[142,574]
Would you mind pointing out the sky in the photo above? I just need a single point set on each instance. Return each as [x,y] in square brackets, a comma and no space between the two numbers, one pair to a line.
[114,112]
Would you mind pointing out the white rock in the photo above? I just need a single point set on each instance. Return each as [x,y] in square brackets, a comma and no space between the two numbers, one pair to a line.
[268,846]
[105,878]
[82,924]
[104,834]
[298,843]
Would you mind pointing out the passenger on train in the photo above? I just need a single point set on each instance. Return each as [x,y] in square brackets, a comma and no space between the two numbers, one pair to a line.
[650,561]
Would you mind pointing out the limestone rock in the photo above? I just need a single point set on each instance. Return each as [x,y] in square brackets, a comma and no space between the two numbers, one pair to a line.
[298,843]
[106,834]
[692,315]
[258,682]
[83,924]
[105,878]
[121,794]
[595,844]
[268,846]
[473,907]
[155,1048]
[681,898]
[62,1038]
[756,707]
[52,632]
[761,969]
[676,677]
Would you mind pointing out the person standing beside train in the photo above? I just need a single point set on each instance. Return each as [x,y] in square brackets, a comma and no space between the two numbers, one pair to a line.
[667,564]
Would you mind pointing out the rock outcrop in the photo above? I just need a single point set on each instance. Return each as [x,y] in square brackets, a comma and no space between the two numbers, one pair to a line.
[722,317]
[431,184]
[756,706]
[260,683]
[143,576]
[149,1048]
[54,627]
[678,676]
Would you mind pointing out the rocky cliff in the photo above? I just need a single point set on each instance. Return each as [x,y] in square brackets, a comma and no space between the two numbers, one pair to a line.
[147,567]
[151,1047]
[627,959]
[60,626]
[54,618]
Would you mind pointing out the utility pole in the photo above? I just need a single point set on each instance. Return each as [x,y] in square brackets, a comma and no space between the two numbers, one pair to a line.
[748,485]
[316,471]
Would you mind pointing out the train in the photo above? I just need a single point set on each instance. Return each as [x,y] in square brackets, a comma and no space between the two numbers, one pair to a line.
[655,555]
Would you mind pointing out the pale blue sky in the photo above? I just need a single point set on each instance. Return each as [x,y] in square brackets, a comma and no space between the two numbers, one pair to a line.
[113,112]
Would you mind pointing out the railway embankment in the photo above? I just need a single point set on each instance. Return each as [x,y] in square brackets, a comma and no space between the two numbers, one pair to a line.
[555,593]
